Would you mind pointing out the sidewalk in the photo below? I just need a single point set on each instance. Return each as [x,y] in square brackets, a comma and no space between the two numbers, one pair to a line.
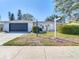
[32,52]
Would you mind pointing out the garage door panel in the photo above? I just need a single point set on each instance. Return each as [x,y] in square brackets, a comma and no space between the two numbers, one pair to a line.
[18,27]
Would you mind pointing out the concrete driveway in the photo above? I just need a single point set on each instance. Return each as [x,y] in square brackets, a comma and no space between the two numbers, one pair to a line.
[5,37]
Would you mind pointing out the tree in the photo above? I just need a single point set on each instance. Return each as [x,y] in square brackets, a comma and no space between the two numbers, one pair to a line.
[37,29]
[76,15]
[61,20]
[12,17]
[19,15]
[28,17]
[9,15]
[75,6]
[66,7]
[51,18]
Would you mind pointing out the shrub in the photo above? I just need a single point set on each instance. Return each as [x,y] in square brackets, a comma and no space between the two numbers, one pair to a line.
[69,29]
[36,29]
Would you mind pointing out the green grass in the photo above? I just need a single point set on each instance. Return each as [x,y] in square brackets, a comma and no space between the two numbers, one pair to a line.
[22,41]
[73,23]
[48,43]
[42,40]
[47,35]
[61,35]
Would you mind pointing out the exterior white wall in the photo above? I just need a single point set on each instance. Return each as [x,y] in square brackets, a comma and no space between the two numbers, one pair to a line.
[51,27]
[30,25]
[6,27]
[48,25]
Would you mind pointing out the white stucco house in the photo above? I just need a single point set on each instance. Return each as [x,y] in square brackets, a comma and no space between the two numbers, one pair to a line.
[46,26]
[25,26]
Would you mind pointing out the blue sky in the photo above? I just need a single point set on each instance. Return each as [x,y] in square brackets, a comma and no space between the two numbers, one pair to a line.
[38,8]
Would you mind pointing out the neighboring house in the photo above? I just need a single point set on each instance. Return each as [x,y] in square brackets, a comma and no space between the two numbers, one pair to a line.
[46,26]
[25,26]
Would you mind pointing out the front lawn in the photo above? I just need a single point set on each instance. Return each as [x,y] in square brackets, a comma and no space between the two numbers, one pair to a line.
[73,38]
[45,39]
[31,40]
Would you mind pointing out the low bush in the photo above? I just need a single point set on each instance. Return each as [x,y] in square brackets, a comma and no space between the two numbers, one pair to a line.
[69,29]
[36,29]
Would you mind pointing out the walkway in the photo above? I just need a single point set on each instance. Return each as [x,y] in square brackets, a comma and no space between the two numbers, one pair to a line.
[32,52]
[5,37]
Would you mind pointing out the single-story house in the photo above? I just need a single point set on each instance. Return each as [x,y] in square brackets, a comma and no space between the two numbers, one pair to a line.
[25,26]
[46,26]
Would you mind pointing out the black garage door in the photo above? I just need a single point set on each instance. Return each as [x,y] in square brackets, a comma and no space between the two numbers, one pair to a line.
[18,27]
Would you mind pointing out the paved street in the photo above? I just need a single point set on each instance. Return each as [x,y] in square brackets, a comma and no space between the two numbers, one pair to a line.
[32,52]
[5,37]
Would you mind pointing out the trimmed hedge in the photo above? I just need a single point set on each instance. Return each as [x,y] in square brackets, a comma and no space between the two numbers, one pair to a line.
[69,29]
